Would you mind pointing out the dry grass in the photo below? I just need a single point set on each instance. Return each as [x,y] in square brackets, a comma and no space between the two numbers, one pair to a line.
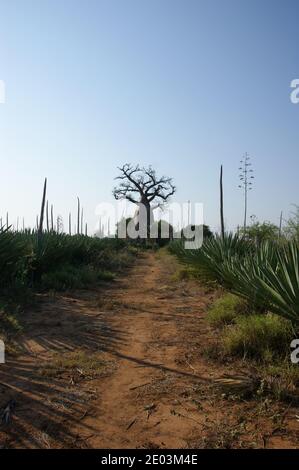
[80,363]
[9,330]
[221,435]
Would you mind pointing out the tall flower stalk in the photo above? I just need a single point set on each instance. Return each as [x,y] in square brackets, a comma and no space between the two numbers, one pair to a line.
[246,178]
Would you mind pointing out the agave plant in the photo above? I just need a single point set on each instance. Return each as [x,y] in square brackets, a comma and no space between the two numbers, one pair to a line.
[266,276]
[209,260]
[12,253]
[243,274]
[281,284]
[269,279]
[53,250]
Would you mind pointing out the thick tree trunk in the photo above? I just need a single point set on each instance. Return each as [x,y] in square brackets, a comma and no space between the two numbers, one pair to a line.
[144,217]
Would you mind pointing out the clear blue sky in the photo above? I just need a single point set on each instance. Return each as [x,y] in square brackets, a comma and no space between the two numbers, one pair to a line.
[184,85]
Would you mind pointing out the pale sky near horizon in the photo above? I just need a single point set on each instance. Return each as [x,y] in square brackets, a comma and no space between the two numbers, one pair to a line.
[183,85]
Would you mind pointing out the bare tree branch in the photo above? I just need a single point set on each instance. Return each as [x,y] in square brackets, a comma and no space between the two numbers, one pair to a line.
[127,171]
[144,182]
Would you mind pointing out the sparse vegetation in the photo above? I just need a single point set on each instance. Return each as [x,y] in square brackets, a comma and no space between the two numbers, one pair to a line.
[255,271]
[258,316]
[262,337]
[32,263]
[226,309]
[79,362]
[281,379]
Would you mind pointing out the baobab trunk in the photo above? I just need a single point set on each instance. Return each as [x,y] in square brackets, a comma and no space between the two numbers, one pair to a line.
[144,218]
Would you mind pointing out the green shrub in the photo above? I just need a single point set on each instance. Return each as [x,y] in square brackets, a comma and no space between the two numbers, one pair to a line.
[260,231]
[13,253]
[72,277]
[112,260]
[164,230]
[226,309]
[261,337]
[105,275]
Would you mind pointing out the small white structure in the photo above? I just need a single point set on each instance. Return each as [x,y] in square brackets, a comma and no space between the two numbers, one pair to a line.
[2,92]
[2,352]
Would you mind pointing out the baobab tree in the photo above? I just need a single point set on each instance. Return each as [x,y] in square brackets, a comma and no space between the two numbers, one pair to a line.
[143,187]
